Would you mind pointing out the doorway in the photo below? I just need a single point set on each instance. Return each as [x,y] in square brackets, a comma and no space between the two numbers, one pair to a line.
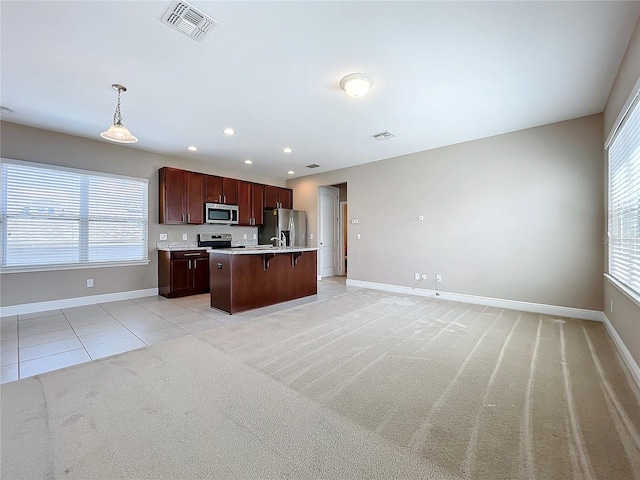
[333,230]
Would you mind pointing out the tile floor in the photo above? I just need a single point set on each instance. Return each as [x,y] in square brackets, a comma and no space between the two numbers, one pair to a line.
[44,341]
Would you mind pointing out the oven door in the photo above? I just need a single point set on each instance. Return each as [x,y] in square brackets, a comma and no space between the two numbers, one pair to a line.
[218,213]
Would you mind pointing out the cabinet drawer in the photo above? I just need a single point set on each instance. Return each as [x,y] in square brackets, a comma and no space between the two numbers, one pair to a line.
[189,254]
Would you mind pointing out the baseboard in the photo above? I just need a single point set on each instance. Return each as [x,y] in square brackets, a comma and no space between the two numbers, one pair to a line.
[74,302]
[623,350]
[489,301]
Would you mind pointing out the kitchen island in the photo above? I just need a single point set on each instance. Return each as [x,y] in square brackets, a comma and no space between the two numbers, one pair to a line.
[245,278]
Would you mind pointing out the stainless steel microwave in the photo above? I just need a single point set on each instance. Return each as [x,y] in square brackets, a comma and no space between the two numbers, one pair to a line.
[223,214]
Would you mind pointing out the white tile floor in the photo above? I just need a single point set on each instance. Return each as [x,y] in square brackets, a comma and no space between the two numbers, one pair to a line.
[44,341]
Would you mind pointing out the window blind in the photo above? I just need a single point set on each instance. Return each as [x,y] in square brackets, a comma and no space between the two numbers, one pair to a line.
[624,202]
[59,216]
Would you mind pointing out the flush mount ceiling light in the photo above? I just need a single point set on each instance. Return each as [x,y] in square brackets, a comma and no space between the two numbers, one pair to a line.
[356,85]
[229,131]
[192,148]
[118,132]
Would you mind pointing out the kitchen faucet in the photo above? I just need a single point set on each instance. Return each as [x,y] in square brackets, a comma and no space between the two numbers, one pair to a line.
[280,241]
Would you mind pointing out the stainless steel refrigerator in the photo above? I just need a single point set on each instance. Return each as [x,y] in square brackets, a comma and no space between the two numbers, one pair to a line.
[285,224]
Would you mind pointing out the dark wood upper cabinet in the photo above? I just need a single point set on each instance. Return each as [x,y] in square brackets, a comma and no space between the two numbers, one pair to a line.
[221,190]
[181,196]
[277,197]
[250,203]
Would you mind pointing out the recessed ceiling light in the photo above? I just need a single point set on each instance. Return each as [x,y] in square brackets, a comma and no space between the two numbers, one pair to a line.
[229,131]
[248,162]
[192,148]
[287,150]
[291,172]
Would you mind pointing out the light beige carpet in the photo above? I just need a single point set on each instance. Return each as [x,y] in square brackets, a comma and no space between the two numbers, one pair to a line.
[364,385]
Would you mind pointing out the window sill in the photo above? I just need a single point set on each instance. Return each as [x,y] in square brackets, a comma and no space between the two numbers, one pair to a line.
[74,266]
[633,296]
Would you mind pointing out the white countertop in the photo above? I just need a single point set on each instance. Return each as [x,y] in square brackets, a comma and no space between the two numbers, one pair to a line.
[260,251]
[249,250]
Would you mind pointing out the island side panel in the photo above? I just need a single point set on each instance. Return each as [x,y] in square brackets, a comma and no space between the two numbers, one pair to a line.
[220,281]
[303,277]
[252,286]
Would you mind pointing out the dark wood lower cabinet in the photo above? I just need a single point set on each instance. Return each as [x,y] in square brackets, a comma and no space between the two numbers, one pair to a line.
[241,282]
[183,273]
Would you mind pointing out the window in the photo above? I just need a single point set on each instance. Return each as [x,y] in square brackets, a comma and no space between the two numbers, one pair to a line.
[624,201]
[66,218]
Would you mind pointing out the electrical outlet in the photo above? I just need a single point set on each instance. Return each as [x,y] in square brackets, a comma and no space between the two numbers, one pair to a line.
[163,236]
[416,276]
[438,278]
[89,282]
[184,236]
[245,236]
[255,236]
[424,276]
[359,237]
[311,236]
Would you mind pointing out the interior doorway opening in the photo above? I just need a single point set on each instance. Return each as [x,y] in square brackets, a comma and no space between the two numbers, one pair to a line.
[333,230]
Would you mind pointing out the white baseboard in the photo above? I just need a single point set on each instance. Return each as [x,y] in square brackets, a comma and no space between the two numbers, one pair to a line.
[489,301]
[624,351]
[74,302]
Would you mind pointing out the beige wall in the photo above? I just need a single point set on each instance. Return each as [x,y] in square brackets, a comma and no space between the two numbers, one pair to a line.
[625,317]
[30,144]
[517,216]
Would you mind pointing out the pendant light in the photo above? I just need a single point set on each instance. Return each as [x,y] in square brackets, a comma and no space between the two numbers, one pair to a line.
[118,132]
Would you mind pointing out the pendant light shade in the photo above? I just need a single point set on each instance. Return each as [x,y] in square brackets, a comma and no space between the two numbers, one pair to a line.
[356,85]
[118,132]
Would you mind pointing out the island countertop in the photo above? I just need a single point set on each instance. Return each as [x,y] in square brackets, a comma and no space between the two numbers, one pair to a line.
[261,250]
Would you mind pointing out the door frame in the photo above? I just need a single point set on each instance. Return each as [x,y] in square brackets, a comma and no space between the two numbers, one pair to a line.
[343,235]
[335,239]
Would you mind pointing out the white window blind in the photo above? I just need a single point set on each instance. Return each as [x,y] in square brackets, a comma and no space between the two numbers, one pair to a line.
[54,216]
[624,202]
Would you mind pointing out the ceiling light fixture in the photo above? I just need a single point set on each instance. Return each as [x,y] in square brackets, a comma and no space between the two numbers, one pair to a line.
[287,150]
[192,148]
[229,131]
[291,172]
[118,132]
[356,84]
[248,162]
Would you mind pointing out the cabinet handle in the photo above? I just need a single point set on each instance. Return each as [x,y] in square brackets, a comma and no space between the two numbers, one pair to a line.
[219,198]
[225,198]
[188,218]
[191,254]
[195,265]
[189,264]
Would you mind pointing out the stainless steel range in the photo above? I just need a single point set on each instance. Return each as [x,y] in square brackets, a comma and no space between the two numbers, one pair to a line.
[214,240]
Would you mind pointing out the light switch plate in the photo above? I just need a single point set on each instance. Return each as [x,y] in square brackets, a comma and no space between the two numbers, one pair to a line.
[184,236]
[311,236]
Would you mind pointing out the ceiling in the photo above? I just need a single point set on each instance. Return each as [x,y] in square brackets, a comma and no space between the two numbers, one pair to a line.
[444,73]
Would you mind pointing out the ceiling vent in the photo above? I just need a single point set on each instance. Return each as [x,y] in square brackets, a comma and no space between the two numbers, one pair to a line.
[313,165]
[383,135]
[189,20]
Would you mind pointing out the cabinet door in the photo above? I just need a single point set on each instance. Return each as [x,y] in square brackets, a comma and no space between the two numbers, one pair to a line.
[244,203]
[286,198]
[213,189]
[172,190]
[181,281]
[200,270]
[195,198]
[271,196]
[230,191]
[257,202]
